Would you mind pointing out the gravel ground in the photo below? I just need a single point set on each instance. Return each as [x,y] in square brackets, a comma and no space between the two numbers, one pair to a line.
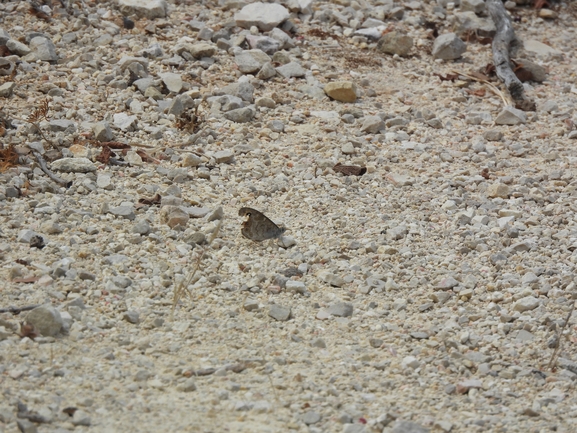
[427,294]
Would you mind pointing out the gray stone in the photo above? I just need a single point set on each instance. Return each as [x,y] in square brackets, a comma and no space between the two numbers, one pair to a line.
[477,6]
[46,319]
[395,43]
[124,121]
[498,189]
[176,107]
[201,50]
[319,342]
[408,427]
[468,22]
[143,8]
[187,386]
[7,89]
[18,48]
[296,286]
[311,417]
[537,72]
[341,309]
[511,116]
[73,165]
[172,81]
[61,125]
[493,135]
[104,181]
[103,132]
[4,36]
[285,41]
[292,69]
[536,47]
[343,91]
[332,279]
[265,16]
[143,83]
[524,336]
[6,66]
[250,61]
[267,71]
[224,156]
[244,91]
[141,227]
[279,312]
[26,426]
[526,304]
[447,283]
[372,124]
[103,40]
[240,115]
[81,417]
[275,125]
[126,62]
[131,316]
[191,160]
[124,211]
[448,47]
[264,43]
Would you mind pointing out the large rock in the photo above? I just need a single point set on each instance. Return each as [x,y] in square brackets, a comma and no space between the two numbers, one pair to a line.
[292,69]
[468,22]
[250,61]
[73,165]
[43,49]
[266,16]
[511,116]
[343,91]
[46,319]
[448,47]
[539,48]
[395,43]
[143,8]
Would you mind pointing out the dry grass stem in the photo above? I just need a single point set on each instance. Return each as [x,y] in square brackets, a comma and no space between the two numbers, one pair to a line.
[555,353]
[506,100]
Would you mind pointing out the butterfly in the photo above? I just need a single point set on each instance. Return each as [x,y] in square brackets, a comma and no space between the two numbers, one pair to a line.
[350,170]
[257,226]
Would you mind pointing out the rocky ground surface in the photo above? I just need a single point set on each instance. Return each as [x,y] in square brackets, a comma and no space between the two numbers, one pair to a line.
[427,294]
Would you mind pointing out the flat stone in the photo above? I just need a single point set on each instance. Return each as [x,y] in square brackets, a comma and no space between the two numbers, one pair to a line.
[332,279]
[265,16]
[447,283]
[296,287]
[124,121]
[141,227]
[524,336]
[73,165]
[264,43]
[526,304]
[7,89]
[395,43]
[343,91]
[174,216]
[539,48]
[292,69]
[123,211]
[172,81]
[535,72]
[131,316]
[250,61]
[511,116]
[18,48]
[448,47]
[46,319]
[311,417]
[266,71]
[464,386]
[279,312]
[244,91]
[408,427]
[191,160]
[201,50]
[61,125]
[341,309]
[224,156]
[102,131]
[143,8]
[493,135]
[498,189]
[240,115]
[372,124]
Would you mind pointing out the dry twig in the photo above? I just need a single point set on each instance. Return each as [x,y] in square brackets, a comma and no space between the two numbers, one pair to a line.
[180,290]
[560,339]
[18,310]
[492,87]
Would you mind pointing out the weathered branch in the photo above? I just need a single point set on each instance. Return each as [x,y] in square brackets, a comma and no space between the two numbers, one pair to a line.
[18,310]
[45,169]
[505,44]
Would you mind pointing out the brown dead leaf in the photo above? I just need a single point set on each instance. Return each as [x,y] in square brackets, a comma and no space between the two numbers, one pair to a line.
[8,158]
[28,330]
[150,201]
[485,173]
[146,157]
[115,145]
[105,154]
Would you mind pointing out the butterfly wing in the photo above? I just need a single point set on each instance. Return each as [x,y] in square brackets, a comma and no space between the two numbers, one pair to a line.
[258,227]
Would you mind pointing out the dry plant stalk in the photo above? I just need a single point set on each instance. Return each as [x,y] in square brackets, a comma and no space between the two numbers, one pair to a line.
[181,289]
[492,87]
[555,353]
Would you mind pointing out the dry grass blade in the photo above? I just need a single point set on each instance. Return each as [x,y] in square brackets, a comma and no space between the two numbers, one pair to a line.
[560,339]
[181,290]
[492,87]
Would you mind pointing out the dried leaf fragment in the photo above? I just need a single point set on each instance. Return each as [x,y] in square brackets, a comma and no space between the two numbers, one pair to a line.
[350,170]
